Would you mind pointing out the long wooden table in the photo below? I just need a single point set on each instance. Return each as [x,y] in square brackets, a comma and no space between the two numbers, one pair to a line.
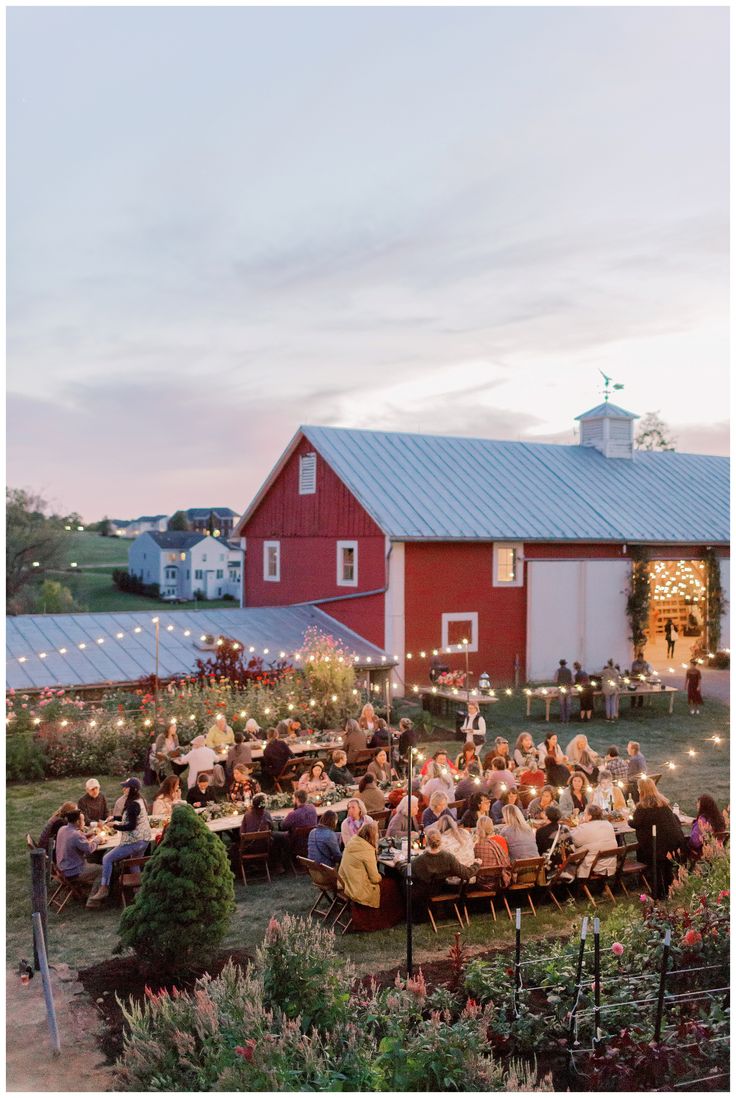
[548,694]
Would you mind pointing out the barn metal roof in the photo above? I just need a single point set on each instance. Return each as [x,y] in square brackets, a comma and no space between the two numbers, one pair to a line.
[436,487]
[132,656]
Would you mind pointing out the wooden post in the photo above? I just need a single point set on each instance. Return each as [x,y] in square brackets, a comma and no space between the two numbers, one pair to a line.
[39,946]
[409,942]
[39,897]
[662,981]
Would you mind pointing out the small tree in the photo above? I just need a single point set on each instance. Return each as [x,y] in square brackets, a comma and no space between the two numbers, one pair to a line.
[178,521]
[186,898]
[654,434]
[329,672]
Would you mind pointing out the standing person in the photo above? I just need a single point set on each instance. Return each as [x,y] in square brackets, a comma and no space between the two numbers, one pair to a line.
[654,810]
[636,768]
[199,757]
[407,739]
[670,635]
[72,849]
[135,835]
[611,686]
[93,803]
[582,679]
[474,725]
[693,678]
[639,671]
[563,680]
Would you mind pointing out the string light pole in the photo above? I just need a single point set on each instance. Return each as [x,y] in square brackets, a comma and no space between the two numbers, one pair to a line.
[409,943]
[157,623]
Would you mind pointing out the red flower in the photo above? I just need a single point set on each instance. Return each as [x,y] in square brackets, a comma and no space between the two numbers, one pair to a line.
[692,938]
[246,1050]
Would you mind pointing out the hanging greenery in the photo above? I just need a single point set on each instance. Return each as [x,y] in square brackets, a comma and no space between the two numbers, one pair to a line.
[716,603]
[637,601]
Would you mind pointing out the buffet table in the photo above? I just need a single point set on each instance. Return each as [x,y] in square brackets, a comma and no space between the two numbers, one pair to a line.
[548,694]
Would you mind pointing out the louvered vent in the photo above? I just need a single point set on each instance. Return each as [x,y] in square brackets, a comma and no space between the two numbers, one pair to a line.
[307,474]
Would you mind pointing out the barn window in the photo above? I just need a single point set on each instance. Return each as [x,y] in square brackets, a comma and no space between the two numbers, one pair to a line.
[347,564]
[272,561]
[508,564]
[307,474]
[457,629]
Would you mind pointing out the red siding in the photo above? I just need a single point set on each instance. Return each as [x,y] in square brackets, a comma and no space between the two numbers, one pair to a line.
[308,528]
[363,616]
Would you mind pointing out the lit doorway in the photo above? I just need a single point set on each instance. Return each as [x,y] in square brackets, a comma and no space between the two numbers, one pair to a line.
[677,594]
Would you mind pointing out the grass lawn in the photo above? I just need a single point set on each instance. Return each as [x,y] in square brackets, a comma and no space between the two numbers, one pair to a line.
[87,548]
[82,937]
[94,590]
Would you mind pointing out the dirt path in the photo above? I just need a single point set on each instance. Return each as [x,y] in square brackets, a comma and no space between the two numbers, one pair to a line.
[31,1065]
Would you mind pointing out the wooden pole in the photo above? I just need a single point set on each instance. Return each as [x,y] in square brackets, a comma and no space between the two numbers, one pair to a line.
[39,945]
[409,942]
[39,898]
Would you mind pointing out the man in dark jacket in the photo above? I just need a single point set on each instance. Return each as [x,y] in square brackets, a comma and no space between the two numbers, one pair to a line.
[276,754]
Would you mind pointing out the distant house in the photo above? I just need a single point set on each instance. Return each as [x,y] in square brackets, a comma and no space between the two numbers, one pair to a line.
[119,528]
[147,523]
[199,520]
[183,563]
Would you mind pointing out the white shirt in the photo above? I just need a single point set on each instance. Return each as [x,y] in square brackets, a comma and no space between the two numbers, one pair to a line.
[595,835]
[471,733]
[199,758]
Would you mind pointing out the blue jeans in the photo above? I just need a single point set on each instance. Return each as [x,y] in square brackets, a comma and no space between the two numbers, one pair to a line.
[611,705]
[128,850]
[565,707]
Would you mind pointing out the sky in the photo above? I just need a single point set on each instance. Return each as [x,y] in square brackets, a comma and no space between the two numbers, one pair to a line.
[225,222]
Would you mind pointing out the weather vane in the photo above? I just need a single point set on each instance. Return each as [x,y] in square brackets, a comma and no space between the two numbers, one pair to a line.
[609,385]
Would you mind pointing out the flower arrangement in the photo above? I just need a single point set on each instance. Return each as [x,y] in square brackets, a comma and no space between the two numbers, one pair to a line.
[451,678]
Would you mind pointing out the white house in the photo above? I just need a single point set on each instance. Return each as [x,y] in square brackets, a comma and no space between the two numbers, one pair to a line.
[183,563]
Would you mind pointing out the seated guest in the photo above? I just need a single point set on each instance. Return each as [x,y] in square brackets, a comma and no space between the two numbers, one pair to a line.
[93,802]
[525,751]
[398,825]
[437,808]
[654,809]
[356,740]
[708,822]
[545,835]
[243,785]
[202,794]
[492,850]
[368,720]
[199,757]
[376,902]
[258,818]
[135,835]
[440,760]
[582,757]
[240,752]
[498,779]
[470,783]
[518,834]
[302,814]
[500,750]
[436,864]
[382,735]
[554,761]
[438,780]
[356,818]
[544,800]
[574,795]
[531,775]
[323,844]
[72,849]
[276,754]
[168,795]
[314,780]
[592,835]
[607,796]
[511,796]
[467,757]
[166,744]
[636,767]
[370,794]
[220,734]
[252,730]
[380,767]
[480,805]
[295,728]
[57,821]
[617,766]
[456,839]
[338,772]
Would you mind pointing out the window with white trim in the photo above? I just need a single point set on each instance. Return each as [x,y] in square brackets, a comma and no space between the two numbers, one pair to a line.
[272,561]
[307,474]
[457,629]
[508,564]
[347,564]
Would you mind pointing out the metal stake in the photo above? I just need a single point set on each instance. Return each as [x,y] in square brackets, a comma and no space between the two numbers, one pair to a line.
[40,947]
[517,963]
[597,979]
[662,981]
[39,899]
[409,958]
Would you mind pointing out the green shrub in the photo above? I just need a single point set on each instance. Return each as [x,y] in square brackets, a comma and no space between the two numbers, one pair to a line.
[186,898]
[87,749]
[24,759]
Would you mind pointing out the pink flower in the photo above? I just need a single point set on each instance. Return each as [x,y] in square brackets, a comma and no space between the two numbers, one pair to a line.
[246,1051]
[724,894]
[644,898]
[617,949]
[692,938]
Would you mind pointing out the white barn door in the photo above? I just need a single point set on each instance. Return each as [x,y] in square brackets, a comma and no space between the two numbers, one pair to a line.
[576,610]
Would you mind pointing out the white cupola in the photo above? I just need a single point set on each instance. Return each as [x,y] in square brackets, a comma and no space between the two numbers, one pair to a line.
[609,429]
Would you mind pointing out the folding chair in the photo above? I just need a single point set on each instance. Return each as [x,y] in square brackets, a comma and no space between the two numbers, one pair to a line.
[568,873]
[343,910]
[631,869]
[459,806]
[325,881]
[289,773]
[30,842]
[362,760]
[299,843]
[447,895]
[131,872]
[65,889]
[381,819]
[488,885]
[611,853]
[255,850]
[527,872]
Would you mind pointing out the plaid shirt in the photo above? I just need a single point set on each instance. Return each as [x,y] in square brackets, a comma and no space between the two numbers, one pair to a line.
[619,768]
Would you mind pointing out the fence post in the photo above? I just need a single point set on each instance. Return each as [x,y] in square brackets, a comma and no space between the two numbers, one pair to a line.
[517,963]
[597,981]
[578,980]
[40,947]
[655,875]
[39,898]
[662,981]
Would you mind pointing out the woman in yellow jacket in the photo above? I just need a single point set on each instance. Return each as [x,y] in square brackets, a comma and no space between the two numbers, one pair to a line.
[376,900]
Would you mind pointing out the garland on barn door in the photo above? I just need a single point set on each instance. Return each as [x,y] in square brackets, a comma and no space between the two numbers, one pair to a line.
[637,601]
[716,601]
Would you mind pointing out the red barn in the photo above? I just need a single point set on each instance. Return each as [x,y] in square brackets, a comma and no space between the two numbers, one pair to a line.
[418,542]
